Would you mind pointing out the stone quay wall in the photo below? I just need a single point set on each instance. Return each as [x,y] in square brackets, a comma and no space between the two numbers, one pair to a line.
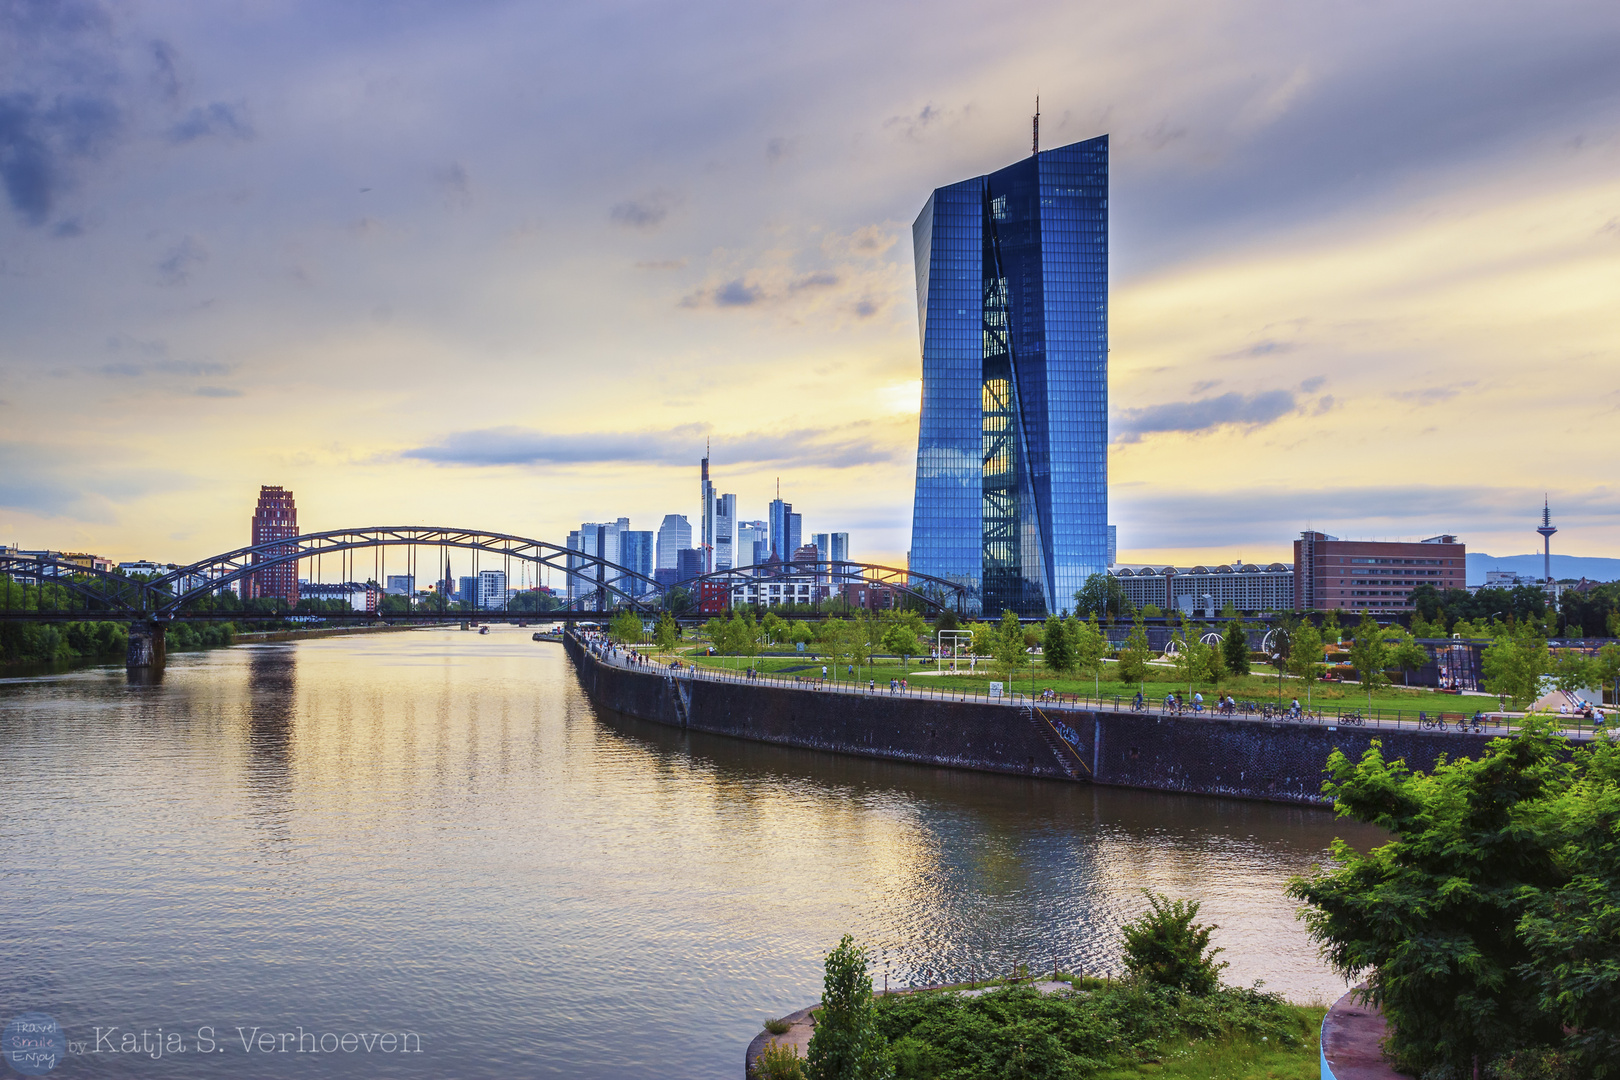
[1248,759]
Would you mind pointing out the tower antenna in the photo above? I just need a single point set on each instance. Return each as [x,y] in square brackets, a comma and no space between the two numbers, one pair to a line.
[1035,140]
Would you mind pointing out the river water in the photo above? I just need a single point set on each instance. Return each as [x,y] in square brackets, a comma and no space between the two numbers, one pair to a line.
[432,840]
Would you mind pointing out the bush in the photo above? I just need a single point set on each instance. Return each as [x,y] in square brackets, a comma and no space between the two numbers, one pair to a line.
[778,1062]
[847,1044]
[777,1027]
[1166,948]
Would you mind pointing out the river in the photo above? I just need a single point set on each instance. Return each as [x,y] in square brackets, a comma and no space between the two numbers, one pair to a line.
[434,841]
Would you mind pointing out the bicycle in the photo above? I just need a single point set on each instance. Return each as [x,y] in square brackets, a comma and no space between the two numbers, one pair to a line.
[1427,722]
[1353,719]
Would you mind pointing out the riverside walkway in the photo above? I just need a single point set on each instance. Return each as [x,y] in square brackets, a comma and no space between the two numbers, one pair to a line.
[1052,707]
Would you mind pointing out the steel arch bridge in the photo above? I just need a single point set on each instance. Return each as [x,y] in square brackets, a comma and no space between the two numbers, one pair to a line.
[113,596]
[933,592]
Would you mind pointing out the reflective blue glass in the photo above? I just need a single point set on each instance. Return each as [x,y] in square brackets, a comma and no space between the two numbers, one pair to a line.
[1012,449]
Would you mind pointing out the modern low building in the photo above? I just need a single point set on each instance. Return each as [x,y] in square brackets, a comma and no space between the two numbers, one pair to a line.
[1249,588]
[401,584]
[1372,575]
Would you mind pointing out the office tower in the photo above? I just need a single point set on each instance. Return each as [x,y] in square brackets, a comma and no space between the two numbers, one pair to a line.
[636,553]
[1012,295]
[840,547]
[784,528]
[491,586]
[401,585]
[275,518]
[823,544]
[468,592]
[753,543]
[1113,544]
[706,522]
[795,525]
[674,535]
[725,529]
[688,564]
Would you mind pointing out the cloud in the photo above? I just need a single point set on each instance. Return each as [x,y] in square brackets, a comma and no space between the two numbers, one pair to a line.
[847,446]
[456,187]
[217,392]
[1260,348]
[217,120]
[737,293]
[40,143]
[645,213]
[822,279]
[176,265]
[81,483]
[661,264]
[165,70]
[135,369]
[1233,409]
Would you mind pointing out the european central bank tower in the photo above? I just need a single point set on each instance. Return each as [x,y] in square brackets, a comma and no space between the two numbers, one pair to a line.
[1012,453]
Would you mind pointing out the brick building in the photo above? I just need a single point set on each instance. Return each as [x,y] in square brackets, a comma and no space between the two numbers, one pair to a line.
[275,518]
[1354,575]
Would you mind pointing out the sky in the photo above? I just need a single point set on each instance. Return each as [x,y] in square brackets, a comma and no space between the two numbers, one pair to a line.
[509,266]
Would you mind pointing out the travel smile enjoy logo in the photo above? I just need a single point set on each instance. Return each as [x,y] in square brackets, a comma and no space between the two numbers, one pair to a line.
[33,1043]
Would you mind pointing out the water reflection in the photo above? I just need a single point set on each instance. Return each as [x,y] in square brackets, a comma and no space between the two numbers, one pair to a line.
[438,831]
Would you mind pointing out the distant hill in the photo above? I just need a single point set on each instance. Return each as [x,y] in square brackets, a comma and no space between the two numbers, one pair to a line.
[1563,566]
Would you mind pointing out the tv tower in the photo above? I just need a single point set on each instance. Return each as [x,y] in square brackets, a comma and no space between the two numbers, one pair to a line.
[1546,529]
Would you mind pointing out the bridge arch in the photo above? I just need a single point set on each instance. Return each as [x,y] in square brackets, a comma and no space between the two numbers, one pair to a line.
[111,594]
[606,578]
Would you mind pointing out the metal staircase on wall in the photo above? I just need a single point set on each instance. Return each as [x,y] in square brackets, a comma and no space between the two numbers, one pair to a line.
[1067,755]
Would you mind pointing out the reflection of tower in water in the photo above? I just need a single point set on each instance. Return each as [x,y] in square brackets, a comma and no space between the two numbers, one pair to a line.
[272,689]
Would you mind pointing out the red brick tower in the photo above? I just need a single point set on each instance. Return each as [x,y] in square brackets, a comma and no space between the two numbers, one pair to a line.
[275,518]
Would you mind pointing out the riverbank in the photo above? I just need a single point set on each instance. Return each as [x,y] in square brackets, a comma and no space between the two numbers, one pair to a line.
[325,631]
[1234,757]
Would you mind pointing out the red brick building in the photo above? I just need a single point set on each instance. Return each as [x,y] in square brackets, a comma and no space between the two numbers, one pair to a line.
[275,518]
[1355,575]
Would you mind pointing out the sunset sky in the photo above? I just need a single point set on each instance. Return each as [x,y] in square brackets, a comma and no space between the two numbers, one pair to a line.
[508,265]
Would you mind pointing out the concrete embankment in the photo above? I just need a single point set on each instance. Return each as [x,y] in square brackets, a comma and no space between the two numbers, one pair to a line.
[251,637]
[1245,759]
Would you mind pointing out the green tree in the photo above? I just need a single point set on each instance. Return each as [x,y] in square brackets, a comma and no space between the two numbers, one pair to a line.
[774,627]
[1404,652]
[666,634]
[1165,947]
[1369,656]
[1056,646]
[835,637]
[1514,663]
[1134,656]
[1090,645]
[1606,669]
[900,640]
[1305,656]
[1102,595]
[1008,648]
[1572,671]
[678,600]
[1489,923]
[1235,648]
[847,1043]
[715,631]
[1191,657]
[626,628]
[800,632]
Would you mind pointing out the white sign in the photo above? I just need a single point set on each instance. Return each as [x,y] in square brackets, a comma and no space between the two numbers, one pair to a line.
[995,689]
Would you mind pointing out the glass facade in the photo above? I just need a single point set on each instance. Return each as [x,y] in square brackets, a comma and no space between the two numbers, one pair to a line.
[1012,449]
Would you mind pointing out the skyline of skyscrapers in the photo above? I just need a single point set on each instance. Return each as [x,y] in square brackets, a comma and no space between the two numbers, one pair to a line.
[1011,494]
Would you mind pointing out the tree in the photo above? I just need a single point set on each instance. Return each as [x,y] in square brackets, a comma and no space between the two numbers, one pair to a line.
[666,633]
[1090,645]
[626,628]
[1056,646]
[1008,648]
[1235,648]
[1165,947]
[1191,658]
[1134,656]
[1305,656]
[1404,652]
[1572,671]
[774,626]
[678,600]
[1103,595]
[1606,669]
[1369,655]
[1488,925]
[800,632]
[847,1043]
[836,637]
[715,631]
[1514,664]
[900,640]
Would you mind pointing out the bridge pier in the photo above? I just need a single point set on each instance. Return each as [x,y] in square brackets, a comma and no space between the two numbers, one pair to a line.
[147,651]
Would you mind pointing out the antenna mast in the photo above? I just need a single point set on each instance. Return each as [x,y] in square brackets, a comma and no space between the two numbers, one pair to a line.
[1035,140]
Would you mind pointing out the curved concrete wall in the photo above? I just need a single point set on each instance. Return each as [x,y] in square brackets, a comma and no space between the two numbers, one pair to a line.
[1238,758]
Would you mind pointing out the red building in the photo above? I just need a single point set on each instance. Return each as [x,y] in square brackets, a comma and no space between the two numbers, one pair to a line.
[1356,575]
[275,518]
[714,597]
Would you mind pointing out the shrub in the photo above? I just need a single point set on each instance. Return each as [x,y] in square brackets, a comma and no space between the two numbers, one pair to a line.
[777,1027]
[1167,948]
[847,1044]
[778,1062]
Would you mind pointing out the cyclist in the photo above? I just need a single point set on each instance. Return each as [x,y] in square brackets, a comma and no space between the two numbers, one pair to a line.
[1293,710]
[1198,702]
[1136,704]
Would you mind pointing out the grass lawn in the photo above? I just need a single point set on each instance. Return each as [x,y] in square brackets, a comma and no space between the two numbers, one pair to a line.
[1234,1058]
[1262,686]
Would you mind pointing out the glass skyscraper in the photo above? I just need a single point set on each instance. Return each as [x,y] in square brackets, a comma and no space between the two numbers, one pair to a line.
[1012,452]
